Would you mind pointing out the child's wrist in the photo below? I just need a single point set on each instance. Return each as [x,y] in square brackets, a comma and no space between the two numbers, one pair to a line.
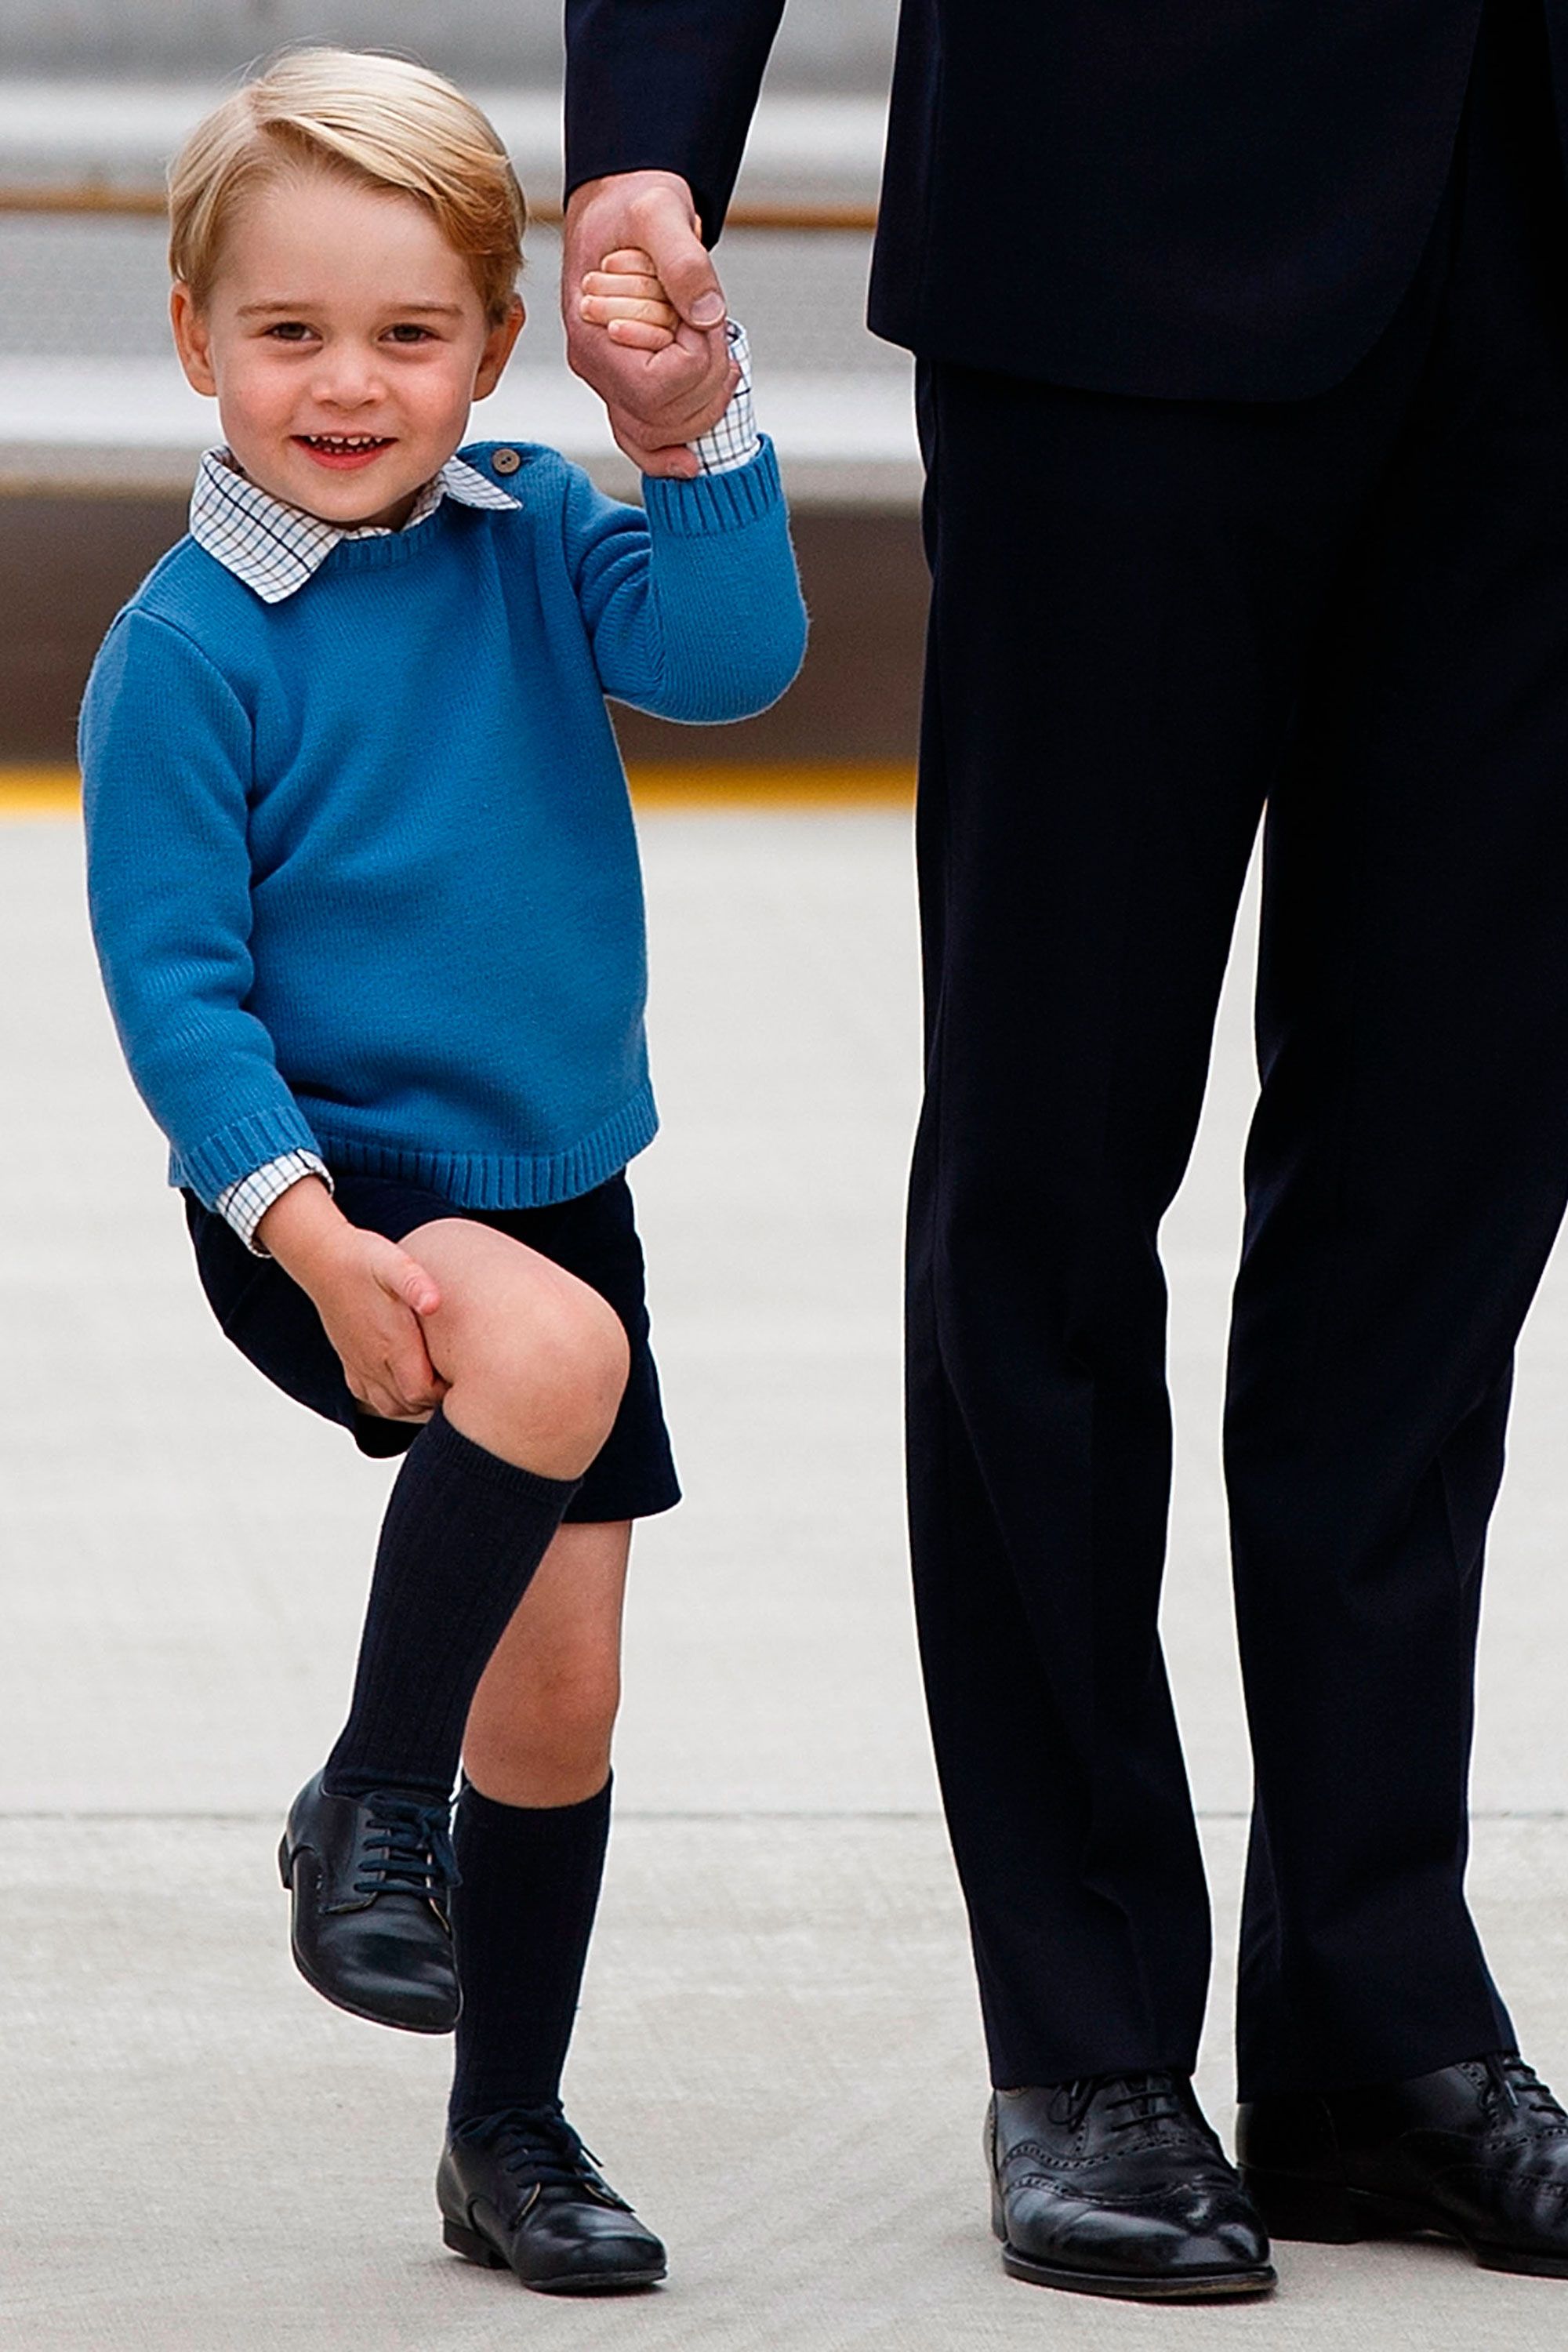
[307,1233]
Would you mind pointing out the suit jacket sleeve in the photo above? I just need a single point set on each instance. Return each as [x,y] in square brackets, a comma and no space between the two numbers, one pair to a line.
[666,85]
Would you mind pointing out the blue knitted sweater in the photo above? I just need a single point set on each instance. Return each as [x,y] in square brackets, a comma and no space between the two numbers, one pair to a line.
[361,871]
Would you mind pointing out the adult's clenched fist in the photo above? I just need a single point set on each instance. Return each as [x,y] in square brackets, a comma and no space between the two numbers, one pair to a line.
[658,400]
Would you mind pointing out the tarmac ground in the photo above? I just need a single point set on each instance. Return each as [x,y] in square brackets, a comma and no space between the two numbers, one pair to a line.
[778,2056]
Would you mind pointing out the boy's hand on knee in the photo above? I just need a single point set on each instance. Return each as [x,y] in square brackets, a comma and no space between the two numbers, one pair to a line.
[369,1301]
[626,297]
[370,1296]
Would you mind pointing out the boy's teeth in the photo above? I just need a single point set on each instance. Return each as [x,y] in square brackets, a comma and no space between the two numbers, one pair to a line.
[345,440]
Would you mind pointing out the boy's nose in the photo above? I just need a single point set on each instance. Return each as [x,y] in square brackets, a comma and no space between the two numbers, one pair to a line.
[348,382]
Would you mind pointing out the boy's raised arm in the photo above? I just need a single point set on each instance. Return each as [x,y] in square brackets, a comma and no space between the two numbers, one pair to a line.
[693,607]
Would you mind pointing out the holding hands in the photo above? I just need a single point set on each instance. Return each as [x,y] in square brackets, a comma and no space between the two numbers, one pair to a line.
[645,317]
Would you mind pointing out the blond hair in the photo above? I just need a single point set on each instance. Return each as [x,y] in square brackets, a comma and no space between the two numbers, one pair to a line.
[378,120]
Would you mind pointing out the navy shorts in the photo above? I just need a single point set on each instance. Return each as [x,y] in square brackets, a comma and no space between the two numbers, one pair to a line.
[272,1322]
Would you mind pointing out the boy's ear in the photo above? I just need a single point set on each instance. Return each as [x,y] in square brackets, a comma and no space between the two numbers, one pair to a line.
[192,340]
[497,348]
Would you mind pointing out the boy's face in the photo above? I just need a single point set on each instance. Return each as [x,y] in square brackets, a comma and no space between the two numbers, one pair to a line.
[345,342]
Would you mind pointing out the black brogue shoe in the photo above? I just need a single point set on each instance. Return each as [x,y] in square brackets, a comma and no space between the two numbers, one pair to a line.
[1476,2152]
[1115,2185]
[518,2191]
[370,1878]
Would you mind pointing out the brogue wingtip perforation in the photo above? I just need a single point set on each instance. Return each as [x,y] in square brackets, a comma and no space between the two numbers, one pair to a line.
[1475,2153]
[1116,2186]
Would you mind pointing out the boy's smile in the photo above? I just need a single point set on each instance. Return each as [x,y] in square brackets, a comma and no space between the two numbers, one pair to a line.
[345,342]
[343,452]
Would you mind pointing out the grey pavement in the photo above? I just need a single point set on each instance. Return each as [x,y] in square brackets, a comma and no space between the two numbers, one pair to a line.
[778,2054]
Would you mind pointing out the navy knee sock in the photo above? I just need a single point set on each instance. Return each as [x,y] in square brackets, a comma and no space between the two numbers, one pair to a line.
[522,1918]
[463,1534]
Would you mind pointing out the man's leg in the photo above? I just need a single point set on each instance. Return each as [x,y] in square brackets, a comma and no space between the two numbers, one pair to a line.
[1409,1161]
[1123,595]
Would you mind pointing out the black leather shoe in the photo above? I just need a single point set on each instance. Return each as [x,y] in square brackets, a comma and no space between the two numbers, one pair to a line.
[1476,2152]
[1116,2185]
[519,2190]
[369,1877]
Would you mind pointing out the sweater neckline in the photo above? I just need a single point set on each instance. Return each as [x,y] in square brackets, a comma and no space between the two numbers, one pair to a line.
[397,547]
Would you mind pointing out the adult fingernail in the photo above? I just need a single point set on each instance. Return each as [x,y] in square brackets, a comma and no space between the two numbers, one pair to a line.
[708,309]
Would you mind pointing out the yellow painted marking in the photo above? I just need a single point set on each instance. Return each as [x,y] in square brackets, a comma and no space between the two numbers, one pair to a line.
[39,792]
[56,791]
[764,785]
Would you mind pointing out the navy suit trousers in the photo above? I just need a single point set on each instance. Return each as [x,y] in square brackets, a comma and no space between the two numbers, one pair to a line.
[1151,619]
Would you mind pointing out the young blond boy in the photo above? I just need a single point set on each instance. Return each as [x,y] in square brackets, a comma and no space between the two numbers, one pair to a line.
[364,890]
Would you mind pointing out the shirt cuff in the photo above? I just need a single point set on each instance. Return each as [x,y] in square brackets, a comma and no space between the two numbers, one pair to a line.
[243,1205]
[734,440]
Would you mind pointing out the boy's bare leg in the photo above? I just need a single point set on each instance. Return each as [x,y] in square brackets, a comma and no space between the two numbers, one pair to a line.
[539,1725]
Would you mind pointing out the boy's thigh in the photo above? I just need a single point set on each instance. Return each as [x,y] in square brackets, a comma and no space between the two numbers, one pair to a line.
[505,1303]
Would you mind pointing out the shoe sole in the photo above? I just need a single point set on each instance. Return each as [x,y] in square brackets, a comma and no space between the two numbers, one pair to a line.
[1326,2213]
[1197,2286]
[475,2247]
[1135,2286]
[350,2009]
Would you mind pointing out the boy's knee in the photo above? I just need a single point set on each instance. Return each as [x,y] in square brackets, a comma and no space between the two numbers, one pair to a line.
[576,1355]
[554,1377]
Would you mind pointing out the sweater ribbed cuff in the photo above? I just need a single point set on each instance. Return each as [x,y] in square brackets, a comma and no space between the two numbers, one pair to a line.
[235,1152]
[715,503]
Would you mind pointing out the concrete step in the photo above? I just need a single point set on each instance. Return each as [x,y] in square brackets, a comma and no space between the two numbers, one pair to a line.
[831,45]
[103,423]
[819,147]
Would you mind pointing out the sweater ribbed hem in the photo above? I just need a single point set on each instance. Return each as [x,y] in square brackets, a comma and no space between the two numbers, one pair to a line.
[491,1180]
[715,503]
[238,1149]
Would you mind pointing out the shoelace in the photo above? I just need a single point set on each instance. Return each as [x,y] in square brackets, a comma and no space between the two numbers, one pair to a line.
[406,1848]
[1145,2098]
[1519,2088]
[538,2144]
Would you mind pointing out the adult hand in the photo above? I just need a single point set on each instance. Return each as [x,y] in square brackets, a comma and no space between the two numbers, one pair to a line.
[658,400]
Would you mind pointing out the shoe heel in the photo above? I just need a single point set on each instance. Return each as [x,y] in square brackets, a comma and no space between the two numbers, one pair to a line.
[471,2246]
[283,1860]
[998,2215]
[1318,2212]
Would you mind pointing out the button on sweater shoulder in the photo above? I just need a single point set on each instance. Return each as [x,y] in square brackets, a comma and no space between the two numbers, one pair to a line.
[361,871]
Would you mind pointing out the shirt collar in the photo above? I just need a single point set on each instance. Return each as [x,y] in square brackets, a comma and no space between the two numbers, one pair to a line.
[275,548]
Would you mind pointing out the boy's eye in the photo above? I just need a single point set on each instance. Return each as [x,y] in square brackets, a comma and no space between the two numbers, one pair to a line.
[408,330]
[290,330]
